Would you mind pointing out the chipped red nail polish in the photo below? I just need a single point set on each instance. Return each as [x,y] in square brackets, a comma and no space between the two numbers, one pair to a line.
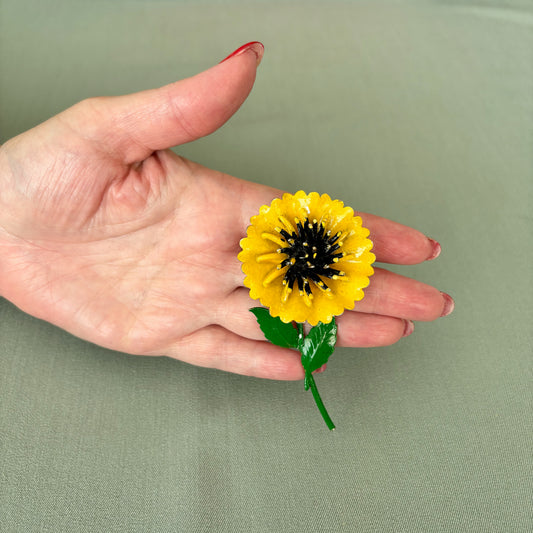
[449,304]
[255,46]
[409,328]
[320,370]
[435,250]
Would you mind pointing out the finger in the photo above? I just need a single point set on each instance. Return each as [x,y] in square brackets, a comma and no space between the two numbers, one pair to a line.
[398,296]
[361,330]
[396,243]
[215,347]
[234,314]
[389,295]
[133,126]
[393,242]
[355,329]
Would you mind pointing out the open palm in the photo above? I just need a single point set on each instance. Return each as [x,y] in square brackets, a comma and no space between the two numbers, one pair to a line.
[111,236]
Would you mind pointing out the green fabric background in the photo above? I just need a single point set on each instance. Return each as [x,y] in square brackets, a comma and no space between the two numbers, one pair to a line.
[417,111]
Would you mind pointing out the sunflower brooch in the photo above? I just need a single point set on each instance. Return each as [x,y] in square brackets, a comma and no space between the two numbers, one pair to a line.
[306,258]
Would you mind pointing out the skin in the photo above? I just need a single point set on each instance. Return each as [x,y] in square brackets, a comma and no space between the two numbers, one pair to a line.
[111,236]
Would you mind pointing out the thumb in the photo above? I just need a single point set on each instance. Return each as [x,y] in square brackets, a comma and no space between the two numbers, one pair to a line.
[135,125]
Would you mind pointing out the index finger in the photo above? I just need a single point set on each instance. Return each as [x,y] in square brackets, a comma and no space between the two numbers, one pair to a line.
[399,244]
[393,242]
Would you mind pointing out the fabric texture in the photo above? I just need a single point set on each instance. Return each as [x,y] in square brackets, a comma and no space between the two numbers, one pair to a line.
[416,111]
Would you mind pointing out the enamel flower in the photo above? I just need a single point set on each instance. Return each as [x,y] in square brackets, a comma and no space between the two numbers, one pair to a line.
[306,258]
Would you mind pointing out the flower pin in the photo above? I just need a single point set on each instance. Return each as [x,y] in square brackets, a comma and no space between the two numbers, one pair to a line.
[306,258]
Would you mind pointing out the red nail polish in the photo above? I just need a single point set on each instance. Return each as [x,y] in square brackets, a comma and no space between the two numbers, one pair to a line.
[435,250]
[409,328]
[255,46]
[449,304]
[320,370]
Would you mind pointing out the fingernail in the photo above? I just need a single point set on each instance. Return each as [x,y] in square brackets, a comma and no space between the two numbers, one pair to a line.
[409,328]
[319,370]
[449,304]
[255,46]
[435,250]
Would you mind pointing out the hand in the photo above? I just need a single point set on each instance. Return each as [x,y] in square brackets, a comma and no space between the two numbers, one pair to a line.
[108,234]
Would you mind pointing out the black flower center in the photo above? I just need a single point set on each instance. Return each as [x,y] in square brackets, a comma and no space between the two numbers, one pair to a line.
[310,250]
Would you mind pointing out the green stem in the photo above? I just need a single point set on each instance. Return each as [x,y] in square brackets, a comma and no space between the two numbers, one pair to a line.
[318,400]
[310,382]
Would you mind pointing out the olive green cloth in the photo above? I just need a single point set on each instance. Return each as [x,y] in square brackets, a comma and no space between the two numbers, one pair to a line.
[418,111]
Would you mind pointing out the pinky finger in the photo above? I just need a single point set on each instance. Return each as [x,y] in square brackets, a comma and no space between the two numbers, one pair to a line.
[216,347]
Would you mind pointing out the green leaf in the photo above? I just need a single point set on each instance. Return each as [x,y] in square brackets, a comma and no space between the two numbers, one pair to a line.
[318,346]
[275,330]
